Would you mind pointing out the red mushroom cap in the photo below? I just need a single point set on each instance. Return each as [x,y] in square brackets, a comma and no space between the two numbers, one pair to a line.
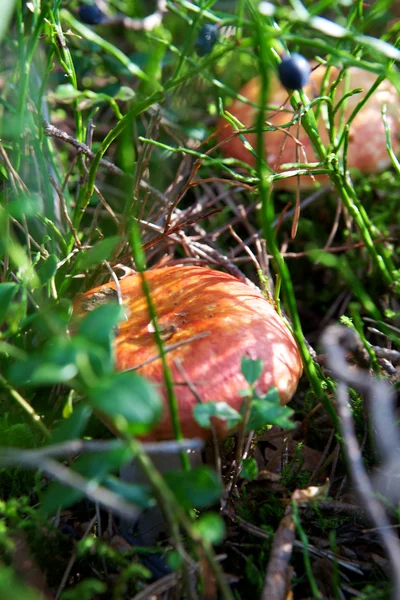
[236,321]
[367,140]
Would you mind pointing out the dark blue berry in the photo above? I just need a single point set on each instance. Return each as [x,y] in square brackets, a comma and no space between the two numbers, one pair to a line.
[90,14]
[69,531]
[294,71]
[208,36]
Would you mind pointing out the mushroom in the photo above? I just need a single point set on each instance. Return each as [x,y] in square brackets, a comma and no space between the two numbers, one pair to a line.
[367,140]
[208,321]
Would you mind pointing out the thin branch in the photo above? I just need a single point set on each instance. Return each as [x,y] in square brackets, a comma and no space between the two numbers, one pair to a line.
[25,406]
[117,284]
[89,488]
[73,558]
[277,577]
[52,131]
[264,535]
[65,211]
[336,341]
[10,456]
[169,348]
[288,214]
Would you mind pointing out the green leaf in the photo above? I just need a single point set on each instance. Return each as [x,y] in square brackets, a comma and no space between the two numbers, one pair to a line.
[203,413]
[251,369]
[25,205]
[327,259]
[197,488]
[73,427]
[249,469]
[12,588]
[137,494]
[101,251]
[38,370]
[211,528]
[7,293]
[272,396]
[47,268]
[110,53]
[131,396]
[58,363]
[94,100]
[124,94]
[268,411]
[87,589]
[94,467]
[66,93]
[98,325]
[7,9]
[174,560]
[98,464]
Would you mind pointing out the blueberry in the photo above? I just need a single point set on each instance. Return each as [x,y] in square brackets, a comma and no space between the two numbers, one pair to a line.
[208,36]
[90,14]
[69,531]
[294,71]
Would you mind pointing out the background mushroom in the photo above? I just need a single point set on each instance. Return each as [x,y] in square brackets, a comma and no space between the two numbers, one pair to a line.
[211,320]
[367,141]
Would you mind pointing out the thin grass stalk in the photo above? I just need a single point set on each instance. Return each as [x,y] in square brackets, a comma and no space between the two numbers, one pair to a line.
[26,58]
[140,262]
[24,404]
[306,554]
[86,192]
[268,217]
[383,264]
[88,34]
[178,516]
[65,59]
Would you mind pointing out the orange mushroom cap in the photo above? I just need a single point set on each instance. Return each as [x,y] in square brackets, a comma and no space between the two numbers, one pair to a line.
[367,139]
[234,319]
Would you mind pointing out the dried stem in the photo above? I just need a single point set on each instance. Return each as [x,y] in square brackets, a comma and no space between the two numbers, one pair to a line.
[336,341]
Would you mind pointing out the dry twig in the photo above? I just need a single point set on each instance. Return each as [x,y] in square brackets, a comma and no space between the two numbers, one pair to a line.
[52,131]
[336,341]
[72,560]
[277,578]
